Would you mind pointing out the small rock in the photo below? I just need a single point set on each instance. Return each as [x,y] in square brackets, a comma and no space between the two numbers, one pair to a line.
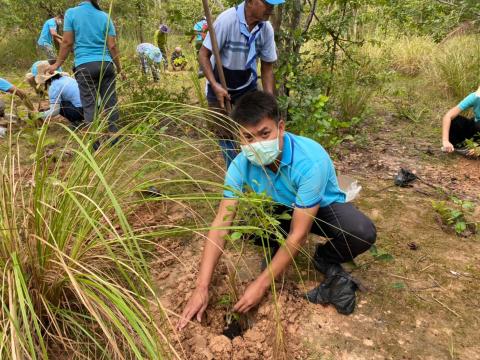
[368,342]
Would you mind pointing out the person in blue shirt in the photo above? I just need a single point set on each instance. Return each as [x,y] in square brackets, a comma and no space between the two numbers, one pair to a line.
[200,30]
[91,34]
[299,176]
[244,36]
[49,36]
[150,56]
[457,128]
[63,93]
[7,87]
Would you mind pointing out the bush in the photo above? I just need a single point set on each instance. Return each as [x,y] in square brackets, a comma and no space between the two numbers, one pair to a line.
[18,51]
[409,55]
[455,66]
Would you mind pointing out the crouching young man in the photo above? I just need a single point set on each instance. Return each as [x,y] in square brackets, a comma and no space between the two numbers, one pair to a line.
[300,176]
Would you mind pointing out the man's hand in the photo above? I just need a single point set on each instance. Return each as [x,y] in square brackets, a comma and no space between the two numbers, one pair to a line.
[447,146]
[196,306]
[252,297]
[221,94]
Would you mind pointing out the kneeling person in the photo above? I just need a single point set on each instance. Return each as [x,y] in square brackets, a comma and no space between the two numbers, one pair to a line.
[457,128]
[298,174]
[63,93]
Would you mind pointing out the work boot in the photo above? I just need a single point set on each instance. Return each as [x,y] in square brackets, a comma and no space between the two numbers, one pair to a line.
[326,268]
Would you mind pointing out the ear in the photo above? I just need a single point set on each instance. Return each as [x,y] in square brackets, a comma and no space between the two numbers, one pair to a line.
[281,125]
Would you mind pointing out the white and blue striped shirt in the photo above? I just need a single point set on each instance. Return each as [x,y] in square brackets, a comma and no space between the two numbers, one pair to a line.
[234,48]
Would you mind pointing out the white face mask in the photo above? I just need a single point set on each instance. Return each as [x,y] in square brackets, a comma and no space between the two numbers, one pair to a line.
[262,152]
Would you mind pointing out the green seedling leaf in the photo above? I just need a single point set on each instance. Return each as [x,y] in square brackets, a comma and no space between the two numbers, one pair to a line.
[284,216]
[374,250]
[236,235]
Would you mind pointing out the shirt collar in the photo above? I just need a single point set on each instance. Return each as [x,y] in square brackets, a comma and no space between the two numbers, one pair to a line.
[242,19]
[288,147]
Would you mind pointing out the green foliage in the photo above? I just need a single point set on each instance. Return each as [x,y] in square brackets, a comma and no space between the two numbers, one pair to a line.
[455,66]
[309,116]
[473,146]
[380,255]
[458,215]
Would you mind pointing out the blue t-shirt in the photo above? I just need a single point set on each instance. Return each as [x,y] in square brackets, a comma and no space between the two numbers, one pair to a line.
[5,85]
[198,28]
[90,27]
[64,89]
[45,36]
[306,176]
[471,101]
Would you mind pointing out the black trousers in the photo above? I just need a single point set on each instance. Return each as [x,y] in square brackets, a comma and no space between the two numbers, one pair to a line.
[349,232]
[71,113]
[462,129]
[98,78]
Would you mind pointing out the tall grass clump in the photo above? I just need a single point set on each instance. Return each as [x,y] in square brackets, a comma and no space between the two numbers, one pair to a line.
[75,281]
[411,54]
[455,66]
[18,50]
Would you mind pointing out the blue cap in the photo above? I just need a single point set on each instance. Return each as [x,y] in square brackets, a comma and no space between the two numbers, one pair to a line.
[275,2]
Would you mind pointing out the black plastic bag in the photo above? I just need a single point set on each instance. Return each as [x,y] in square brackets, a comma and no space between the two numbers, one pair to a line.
[405,177]
[338,290]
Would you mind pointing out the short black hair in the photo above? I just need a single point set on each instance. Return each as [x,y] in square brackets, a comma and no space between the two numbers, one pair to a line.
[254,107]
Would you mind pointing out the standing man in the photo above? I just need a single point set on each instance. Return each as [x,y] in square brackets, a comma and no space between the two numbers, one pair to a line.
[49,35]
[243,34]
[161,39]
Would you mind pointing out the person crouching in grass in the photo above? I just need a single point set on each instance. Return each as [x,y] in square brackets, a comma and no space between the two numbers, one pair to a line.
[63,93]
[298,174]
[457,129]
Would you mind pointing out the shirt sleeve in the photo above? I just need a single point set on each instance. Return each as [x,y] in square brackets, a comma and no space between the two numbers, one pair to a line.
[5,85]
[111,28]
[468,102]
[68,22]
[52,25]
[53,111]
[311,187]
[221,33]
[233,181]
[268,52]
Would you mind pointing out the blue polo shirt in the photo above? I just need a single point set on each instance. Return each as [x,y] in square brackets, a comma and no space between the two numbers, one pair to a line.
[5,85]
[64,89]
[90,27]
[306,176]
[234,48]
[45,36]
[471,101]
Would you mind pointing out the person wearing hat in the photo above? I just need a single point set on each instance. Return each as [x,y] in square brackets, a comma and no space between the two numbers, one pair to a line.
[150,56]
[244,35]
[457,128]
[63,94]
[91,34]
[178,60]
[49,35]
[160,39]
[9,88]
